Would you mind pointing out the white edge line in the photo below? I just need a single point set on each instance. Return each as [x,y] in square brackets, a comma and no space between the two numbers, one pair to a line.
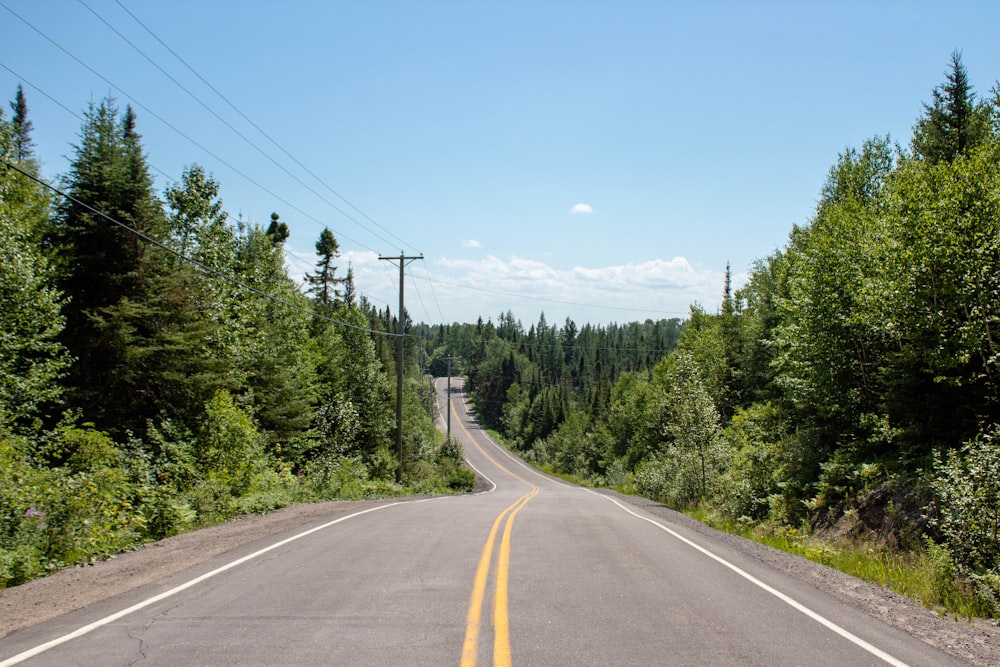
[469,463]
[822,620]
[86,629]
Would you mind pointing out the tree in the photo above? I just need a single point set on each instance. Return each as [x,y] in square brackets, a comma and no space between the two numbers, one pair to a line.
[277,231]
[953,123]
[196,213]
[32,360]
[106,271]
[350,294]
[692,423]
[21,126]
[324,281]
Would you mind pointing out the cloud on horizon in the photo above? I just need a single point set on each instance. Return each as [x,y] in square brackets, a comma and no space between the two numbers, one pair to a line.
[471,243]
[581,209]
[464,289]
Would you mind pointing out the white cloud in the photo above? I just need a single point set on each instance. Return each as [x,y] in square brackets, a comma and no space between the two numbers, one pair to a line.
[582,208]
[465,289]
[471,243]
[653,289]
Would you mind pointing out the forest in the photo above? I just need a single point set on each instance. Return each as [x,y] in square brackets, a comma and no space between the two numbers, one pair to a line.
[160,371]
[850,387]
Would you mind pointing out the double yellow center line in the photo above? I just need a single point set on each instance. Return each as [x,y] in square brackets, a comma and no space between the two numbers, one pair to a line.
[501,622]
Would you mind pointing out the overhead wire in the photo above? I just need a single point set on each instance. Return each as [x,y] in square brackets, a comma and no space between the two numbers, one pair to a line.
[170,125]
[259,129]
[291,256]
[391,282]
[420,296]
[228,124]
[23,80]
[190,260]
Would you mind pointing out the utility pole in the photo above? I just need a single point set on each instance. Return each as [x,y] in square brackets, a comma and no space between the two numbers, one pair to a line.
[403,261]
[448,399]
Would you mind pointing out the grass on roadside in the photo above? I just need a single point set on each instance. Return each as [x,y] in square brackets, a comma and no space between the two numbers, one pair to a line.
[927,576]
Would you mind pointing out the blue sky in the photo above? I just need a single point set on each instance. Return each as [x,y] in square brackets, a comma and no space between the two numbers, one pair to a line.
[599,160]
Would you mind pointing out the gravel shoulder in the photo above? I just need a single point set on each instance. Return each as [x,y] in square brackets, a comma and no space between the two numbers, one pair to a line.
[43,599]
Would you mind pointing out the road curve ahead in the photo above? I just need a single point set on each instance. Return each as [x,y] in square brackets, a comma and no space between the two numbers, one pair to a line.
[531,571]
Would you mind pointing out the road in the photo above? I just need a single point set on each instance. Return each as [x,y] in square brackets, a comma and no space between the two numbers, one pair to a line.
[530,571]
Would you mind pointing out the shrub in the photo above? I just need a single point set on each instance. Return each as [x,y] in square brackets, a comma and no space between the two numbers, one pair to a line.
[967,486]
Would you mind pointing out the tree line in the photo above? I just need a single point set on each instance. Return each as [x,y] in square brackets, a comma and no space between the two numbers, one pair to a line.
[855,375]
[160,370]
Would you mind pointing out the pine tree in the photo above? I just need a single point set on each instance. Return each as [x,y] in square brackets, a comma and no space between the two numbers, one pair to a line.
[107,272]
[350,294]
[22,143]
[954,123]
[277,231]
[324,281]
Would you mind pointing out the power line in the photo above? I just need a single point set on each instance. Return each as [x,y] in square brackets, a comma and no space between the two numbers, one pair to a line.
[433,292]
[178,131]
[262,132]
[228,124]
[75,114]
[203,267]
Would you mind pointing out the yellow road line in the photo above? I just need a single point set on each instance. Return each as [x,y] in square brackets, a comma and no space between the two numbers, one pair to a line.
[473,619]
[501,621]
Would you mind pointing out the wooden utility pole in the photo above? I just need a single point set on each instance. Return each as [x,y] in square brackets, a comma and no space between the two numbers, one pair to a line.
[449,359]
[400,333]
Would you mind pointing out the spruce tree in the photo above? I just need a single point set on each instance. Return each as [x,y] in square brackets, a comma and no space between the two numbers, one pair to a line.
[277,231]
[21,125]
[954,123]
[324,281]
[106,271]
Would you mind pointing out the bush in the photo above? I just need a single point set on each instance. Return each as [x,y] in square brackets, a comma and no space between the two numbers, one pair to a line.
[967,486]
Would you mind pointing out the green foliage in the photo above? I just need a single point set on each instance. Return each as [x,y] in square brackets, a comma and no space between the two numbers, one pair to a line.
[967,485]
[954,123]
[756,471]
[51,517]
[230,449]
[209,400]
[32,360]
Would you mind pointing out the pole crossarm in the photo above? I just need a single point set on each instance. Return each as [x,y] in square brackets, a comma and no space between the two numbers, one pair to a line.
[403,261]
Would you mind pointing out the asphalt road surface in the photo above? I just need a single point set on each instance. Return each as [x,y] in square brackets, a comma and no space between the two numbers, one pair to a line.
[529,571]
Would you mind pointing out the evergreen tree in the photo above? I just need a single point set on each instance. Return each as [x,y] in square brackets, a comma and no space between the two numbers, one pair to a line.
[277,231]
[349,295]
[954,123]
[105,270]
[324,281]
[21,125]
